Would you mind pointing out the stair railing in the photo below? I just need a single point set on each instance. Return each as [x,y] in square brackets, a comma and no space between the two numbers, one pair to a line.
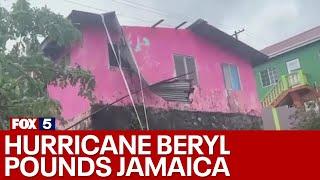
[285,82]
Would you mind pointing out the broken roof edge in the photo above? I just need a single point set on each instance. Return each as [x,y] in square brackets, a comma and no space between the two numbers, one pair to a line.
[85,16]
[82,17]
[202,28]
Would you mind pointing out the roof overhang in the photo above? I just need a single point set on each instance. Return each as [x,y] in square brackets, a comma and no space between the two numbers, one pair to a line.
[293,43]
[80,18]
[291,48]
[207,31]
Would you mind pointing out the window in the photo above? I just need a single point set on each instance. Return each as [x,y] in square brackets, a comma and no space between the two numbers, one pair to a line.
[293,65]
[269,76]
[186,67]
[231,77]
[311,106]
[113,60]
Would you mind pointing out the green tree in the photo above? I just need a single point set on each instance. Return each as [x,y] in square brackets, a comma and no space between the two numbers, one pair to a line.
[25,72]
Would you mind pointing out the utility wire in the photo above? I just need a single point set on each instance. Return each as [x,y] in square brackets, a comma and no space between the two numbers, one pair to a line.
[104,10]
[120,67]
[139,6]
[85,5]
[140,80]
[152,10]
[177,16]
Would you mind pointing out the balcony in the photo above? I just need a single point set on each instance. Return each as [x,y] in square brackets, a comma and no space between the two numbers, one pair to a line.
[287,83]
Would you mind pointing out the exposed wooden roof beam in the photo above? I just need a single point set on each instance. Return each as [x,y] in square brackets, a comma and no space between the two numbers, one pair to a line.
[180,25]
[156,24]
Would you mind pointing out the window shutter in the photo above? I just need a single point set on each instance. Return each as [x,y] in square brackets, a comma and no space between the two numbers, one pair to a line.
[191,68]
[226,75]
[179,64]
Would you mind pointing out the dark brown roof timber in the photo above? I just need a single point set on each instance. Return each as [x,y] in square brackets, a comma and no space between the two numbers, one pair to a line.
[293,43]
[181,24]
[157,23]
[202,28]
[86,18]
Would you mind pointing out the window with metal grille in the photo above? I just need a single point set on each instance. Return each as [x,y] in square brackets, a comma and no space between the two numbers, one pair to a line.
[269,76]
[186,68]
[113,60]
[231,77]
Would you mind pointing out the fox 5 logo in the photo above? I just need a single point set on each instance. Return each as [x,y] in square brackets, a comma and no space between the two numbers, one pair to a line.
[32,123]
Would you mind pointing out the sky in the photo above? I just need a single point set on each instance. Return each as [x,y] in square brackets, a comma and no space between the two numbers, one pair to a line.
[265,21]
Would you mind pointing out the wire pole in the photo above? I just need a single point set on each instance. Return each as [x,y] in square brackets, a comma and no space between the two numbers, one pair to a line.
[236,33]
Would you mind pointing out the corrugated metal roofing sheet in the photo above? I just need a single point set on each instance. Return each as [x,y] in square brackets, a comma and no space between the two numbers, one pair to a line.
[174,90]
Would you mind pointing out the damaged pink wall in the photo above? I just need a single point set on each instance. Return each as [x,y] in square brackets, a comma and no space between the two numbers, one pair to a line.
[154,49]
[91,54]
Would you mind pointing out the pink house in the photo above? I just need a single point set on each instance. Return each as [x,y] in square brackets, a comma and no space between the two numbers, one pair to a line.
[196,78]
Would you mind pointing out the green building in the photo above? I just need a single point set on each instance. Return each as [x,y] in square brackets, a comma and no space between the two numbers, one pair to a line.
[292,76]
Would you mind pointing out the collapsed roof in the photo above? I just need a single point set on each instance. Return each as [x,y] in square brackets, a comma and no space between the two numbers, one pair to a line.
[174,89]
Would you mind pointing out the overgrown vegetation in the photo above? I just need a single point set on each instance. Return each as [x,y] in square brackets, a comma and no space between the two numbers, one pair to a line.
[307,120]
[25,72]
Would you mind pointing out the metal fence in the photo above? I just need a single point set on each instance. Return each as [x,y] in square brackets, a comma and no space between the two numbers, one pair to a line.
[278,118]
